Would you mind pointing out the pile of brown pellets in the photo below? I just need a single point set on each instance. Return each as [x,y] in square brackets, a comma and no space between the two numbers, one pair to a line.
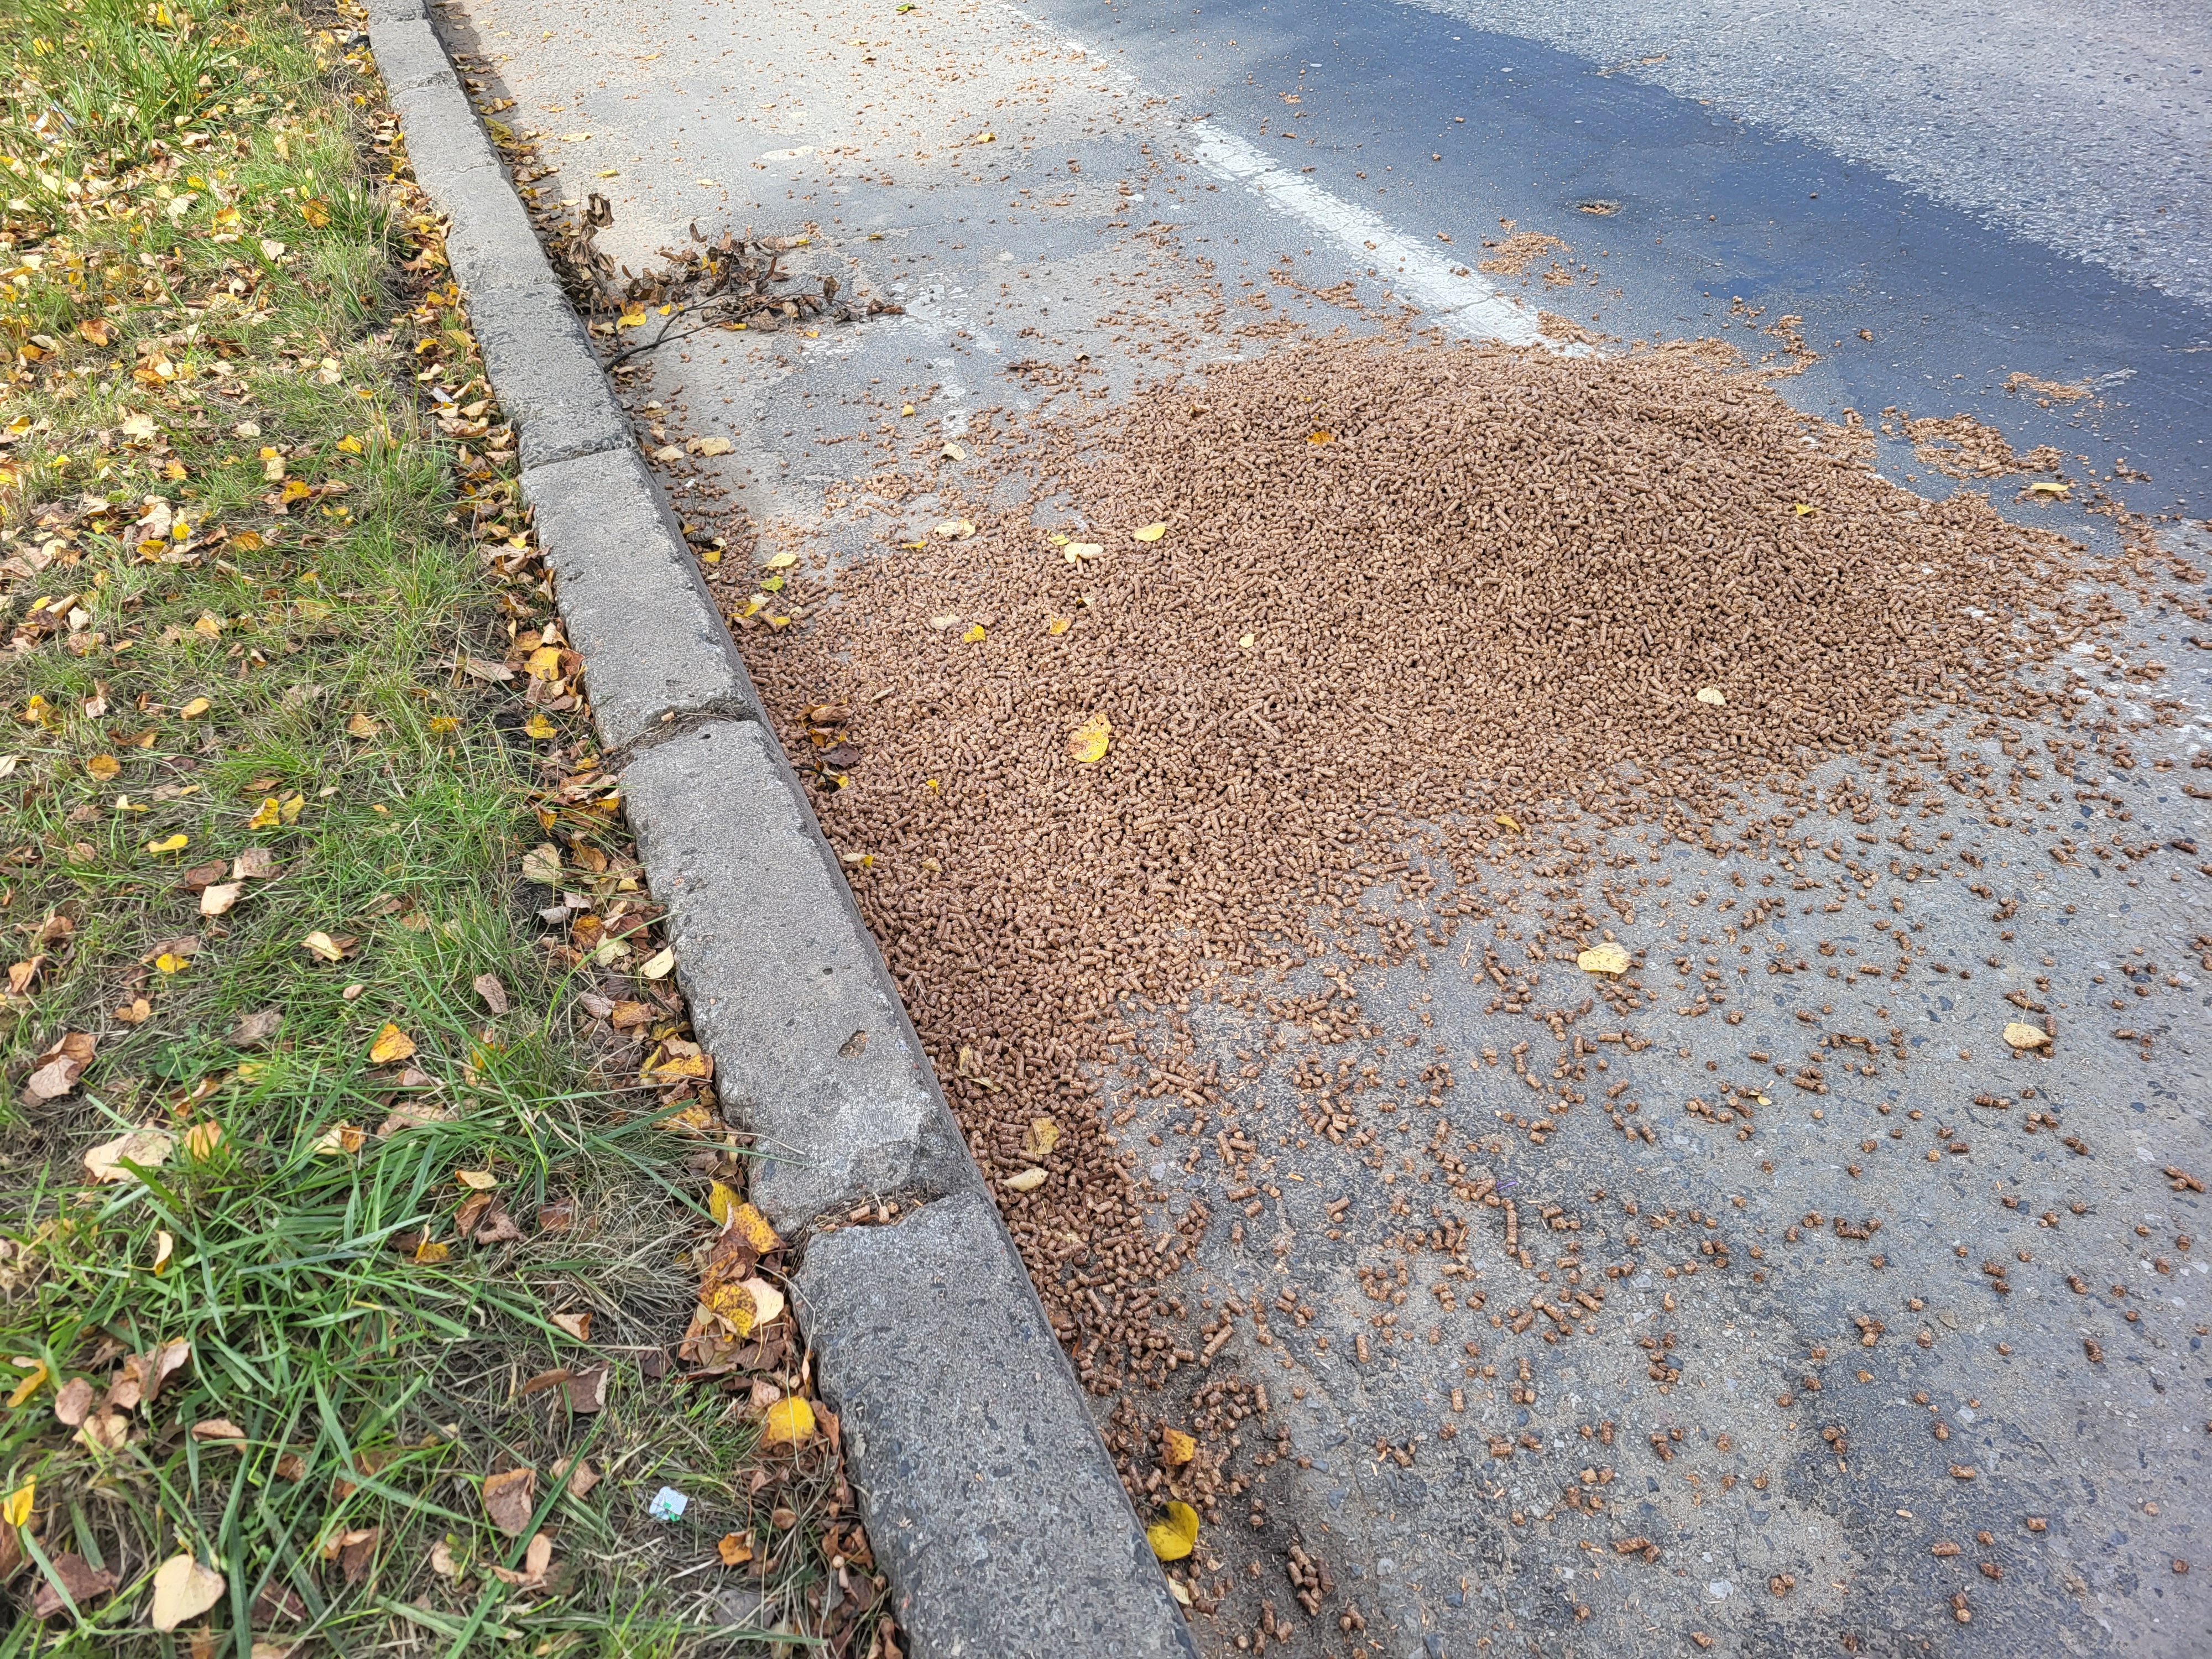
[1399,587]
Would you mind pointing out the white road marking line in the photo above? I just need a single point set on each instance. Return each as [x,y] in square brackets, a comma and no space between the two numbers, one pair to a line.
[1468,305]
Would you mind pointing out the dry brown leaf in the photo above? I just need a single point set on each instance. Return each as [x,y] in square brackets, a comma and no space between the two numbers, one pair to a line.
[578,1325]
[734,1550]
[577,1474]
[148,1148]
[535,1560]
[73,1401]
[586,1391]
[59,1067]
[2023,1036]
[85,1584]
[509,1498]
[256,1028]
[104,1431]
[163,1363]
[217,1428]
[255,864]
[494,993]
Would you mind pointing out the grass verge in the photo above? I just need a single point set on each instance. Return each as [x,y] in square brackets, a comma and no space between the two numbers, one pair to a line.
[360,1176]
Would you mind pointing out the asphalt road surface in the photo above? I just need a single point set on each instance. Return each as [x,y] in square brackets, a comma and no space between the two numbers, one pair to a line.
[1947,203]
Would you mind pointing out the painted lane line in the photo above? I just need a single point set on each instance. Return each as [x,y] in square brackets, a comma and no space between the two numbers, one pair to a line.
[1468,305]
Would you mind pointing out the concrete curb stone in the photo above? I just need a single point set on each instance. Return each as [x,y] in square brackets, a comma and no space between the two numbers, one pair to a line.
[411,59]
[658,648]
[813,1051]
[929,1327]
[539,360]
[995,1508]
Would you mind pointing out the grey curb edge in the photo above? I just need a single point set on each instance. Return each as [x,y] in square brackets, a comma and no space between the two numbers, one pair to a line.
[998,1514]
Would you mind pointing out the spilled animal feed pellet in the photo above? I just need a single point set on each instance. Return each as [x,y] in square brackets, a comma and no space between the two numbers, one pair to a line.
[1397,587]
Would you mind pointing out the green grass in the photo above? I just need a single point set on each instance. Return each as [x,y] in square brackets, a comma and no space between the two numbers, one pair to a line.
[295,681]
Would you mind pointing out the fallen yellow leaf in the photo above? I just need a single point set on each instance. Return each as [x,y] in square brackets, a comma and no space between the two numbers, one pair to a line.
[168,843]
[732,1303]
[165,1246]
[1177,1448]
[957,530]
[29,1385]
[103,767]
[753,1227]
[1317,439]
[2026,1037]
[361,726]
[973,634]
[16,1511]
[1087,743]
[1058,625]
[2046,487]
[392,1044]
[1604,959]
[733,1550]
[1713,695]
[789,1423]
[1506,820]
[195,708]
[1026,1181]
[952,452]
[1151,533]
[782,561]
[1803,509]
[201,1140]
[267,816]
[536,726]
[1173,1537]
[1077,551]
[722,1202]
[476,1181]
[1042,1136]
